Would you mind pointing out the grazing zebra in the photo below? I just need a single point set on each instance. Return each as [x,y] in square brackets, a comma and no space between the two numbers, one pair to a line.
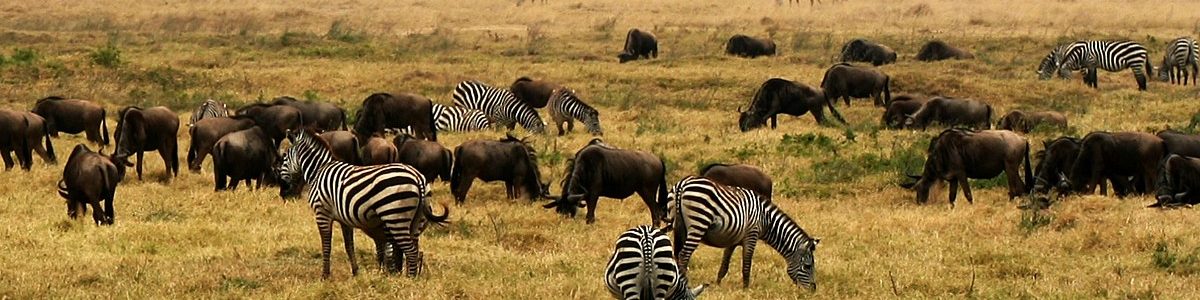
[209,109]
[388,201]
[500,105]
[726,217]
[566,107]
[642,267]
[1181,54]
[455,118]
[1112,56]
[1046,68]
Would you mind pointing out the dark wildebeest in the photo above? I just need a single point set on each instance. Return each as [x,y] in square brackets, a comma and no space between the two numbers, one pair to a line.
[639,43]
[275,120]
[318,115]
[956,155]
[1055,160]
[845,81]
[867,51]
[939,50]
[88,179]
[74,116]
[747,46]
[1180,178]
[901,107]
[1116,155]
[244,156]
[431,158]
[1025,122]
[951,112]
[534,93]
[377,151]
[207,131]
[344,145]
[382,110]
[35,133]
[13,128]
[1175,142]
[599,170]
[778,95]
[148,129]
[510,160]
[740,175]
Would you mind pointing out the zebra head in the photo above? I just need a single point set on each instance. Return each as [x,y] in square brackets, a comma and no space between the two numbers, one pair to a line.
[801,265]
[305,150]
[1047,67]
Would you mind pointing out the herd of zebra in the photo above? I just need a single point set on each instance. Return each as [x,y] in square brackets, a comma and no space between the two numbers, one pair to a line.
[1178,63]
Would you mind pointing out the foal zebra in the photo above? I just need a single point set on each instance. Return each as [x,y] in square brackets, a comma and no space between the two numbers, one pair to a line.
[700,210]
[1112,56]
[388,201]
[1181,54]
[642,267]
[209,109]
[455,118]
[500,105]
[566,107]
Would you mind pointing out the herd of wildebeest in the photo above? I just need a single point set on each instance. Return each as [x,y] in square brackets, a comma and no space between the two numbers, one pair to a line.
[245,147]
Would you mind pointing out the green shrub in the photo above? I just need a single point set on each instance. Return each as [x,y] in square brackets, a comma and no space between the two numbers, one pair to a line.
[340,31]
[25,56]
[108,56]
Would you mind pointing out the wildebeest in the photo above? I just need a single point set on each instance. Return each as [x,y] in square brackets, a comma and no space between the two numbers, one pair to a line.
[740,175]
[1119,155]
[275,120]
[639,43]
[206,132]
[148,129]
[90,178]
[938,50]
[377,151]
[1180,179]
[35,133]
[244,155]
[322,116]
[778,95]
[13,128]
[74,116]
[534,93]
[956,155]
[510,160]
[599,170]
[845,81]
[383,110]
[747,46]
[430,158]
[344,145]
[1026,122]
[1175,142]
[901,107]
[867,51]
[951,112]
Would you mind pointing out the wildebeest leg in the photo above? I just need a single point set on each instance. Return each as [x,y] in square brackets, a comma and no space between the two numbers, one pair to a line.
[218,179]
[510,190]
[72,208]
[967,190]
[233,183]
[953,191]
[1016,187]
[139,164]
[656,212]
[728,255]
[348,241]
[591,207]
[774,120]
[108,208]
[97,210]
[8,161]
[462,187]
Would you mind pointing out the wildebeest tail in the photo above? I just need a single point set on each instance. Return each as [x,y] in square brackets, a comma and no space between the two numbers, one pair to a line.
[662,191]
[432,123]
[191,153]
[456,170]
[1028,170]
[987,123]
[24,149]
[104,125]
[49,146]
[887,91]
[344,120]
[447,164]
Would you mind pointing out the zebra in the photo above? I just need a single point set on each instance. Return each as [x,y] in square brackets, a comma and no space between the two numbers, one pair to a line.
[455,118]
[387,201]
[208,109]
[1046,68]
[501,106]
[1181,53]
[643,267]
[1112,56]
[565,106]
[700,210]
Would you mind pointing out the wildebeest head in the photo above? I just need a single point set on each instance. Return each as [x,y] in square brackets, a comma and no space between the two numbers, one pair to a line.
[626,56]
[1012,121]
[750,119]
[1057,158]
[130,134]
[533,184]
[942,149]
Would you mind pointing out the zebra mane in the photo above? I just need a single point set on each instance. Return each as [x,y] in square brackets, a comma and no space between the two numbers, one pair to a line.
[776,223]
[570,94]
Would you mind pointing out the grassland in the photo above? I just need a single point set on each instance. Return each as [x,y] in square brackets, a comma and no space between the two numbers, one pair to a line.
[177,239]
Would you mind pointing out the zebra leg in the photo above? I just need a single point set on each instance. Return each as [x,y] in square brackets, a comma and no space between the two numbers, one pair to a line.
[348,240]
[571,125]
[559,124]
[1195,72]
[323,228]
[725,263]
[748,258]
[694,232]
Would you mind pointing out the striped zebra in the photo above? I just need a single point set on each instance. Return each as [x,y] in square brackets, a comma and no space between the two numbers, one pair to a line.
[388,201]
[1112,56]
[209,109]
[642,267]
[726,217]
[501,106]
[1180,55]
[1047,67]
[565,106]
[454,118]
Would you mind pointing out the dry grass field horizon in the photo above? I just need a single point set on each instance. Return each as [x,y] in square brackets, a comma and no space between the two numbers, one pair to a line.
[176,238]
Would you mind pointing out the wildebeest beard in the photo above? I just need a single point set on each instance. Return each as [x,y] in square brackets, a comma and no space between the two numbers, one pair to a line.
[573,193]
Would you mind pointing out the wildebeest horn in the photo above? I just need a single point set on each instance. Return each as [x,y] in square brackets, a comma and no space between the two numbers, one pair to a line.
[740,109]
[918,177]
[552,204]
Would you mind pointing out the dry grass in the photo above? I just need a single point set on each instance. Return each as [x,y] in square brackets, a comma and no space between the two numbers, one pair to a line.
[179,239]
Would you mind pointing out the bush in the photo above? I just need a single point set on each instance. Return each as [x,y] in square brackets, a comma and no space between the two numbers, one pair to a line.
[340,31]
[24,56]
[1175,263]
[108,56]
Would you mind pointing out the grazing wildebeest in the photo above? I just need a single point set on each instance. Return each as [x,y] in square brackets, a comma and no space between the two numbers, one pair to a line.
[208,109]
[13,128]
[1116,155]
[322,116]
[510,160]
[867,51]
[1025,122]
[845,81]
[275,120]
[148,129]
[534,93]
[90,178]
[431,158]
[344,145]
[383,110]
[206,132]
[740,175]
[1175,142]
[377,151]
[35,133]
[747,46]
[244,155]
[956,155]
[901,107]
[1179,179]
[951,112]
[1055,160]
[74,116]
[599,170]
[778,95]
[639,43]
[939,50]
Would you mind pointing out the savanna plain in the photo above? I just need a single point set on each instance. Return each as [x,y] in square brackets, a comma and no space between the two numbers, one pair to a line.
[176,238]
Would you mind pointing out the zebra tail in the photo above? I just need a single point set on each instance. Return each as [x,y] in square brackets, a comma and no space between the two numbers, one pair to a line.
[645,279]
[104,125]
[678,228]
[447,164]
[427,213]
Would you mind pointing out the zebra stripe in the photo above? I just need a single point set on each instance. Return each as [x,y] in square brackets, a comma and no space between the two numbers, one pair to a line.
[455,118]
[727,217]
[643,267]
[566,107]
[1181,54]
[208,109]
[500,105]
[1112,56]
[388,201]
